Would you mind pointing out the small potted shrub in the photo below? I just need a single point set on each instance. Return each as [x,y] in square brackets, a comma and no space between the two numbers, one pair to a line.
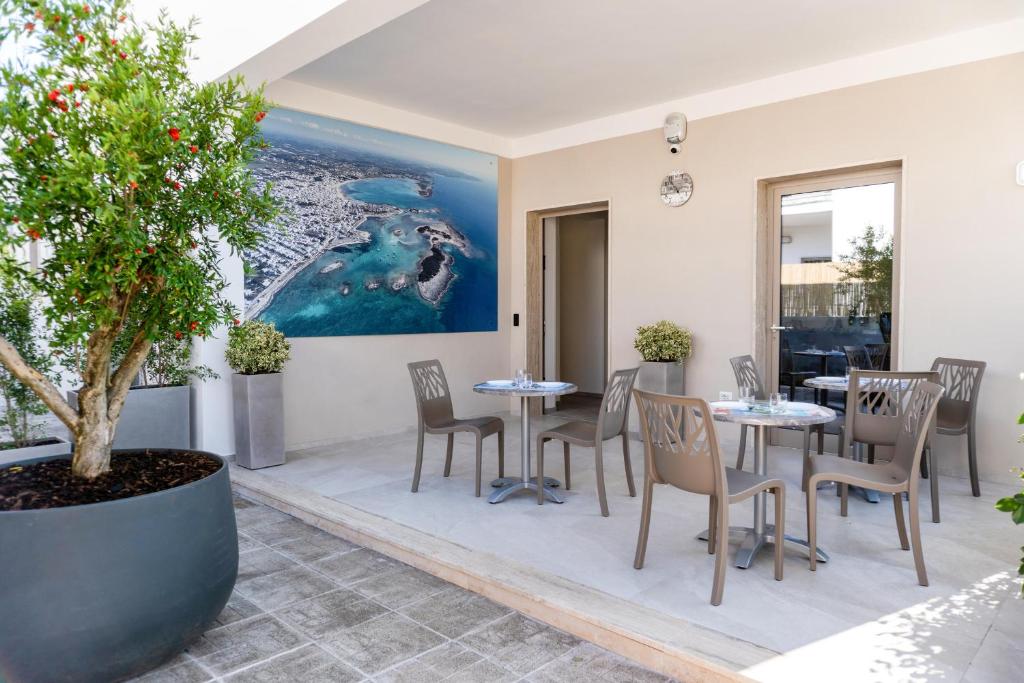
[664,346]
[21,435]
[1015,506]
[257,353]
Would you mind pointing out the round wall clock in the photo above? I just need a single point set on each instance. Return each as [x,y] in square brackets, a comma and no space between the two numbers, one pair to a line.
[676,188]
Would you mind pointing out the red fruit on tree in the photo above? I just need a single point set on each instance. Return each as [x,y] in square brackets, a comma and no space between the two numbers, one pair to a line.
[122,55]
[113,41]
[54,95]
[177,186]
[138,251]
[30,26]
[193,325]
[122,18]
[260,116]
[177,335]
[71,87]
[193,149]
[34,234]
[80,38]
[77,105]
[174,133]
[134,185]
[237,322]
[85,9]
[151,249]
[15,219]
[55,18]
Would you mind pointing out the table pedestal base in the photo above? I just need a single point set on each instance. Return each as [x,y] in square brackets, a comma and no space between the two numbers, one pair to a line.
[753,542]
[502,482]
[517,485]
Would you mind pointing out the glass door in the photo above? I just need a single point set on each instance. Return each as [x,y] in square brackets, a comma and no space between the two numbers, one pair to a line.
[835,242]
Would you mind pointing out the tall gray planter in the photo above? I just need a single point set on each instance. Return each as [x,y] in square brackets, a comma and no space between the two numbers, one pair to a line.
[662,378]
[259,420]
[153,417]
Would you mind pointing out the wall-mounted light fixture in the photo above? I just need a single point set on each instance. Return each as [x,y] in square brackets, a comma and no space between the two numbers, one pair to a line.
[675,131]
[1020,173]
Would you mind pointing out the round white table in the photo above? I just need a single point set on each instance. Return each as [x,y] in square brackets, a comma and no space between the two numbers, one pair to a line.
[506,387]
[758,417]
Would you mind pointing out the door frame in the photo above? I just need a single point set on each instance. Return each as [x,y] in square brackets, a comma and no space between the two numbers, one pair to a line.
[768,248]
[535,283]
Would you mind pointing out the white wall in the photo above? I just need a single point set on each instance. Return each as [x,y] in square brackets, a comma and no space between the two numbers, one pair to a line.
[958,132]
[581,300]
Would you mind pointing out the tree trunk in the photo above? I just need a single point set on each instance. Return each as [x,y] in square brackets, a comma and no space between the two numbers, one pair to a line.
[94,434]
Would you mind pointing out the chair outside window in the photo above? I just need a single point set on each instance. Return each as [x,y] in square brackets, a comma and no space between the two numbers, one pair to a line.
[959,406]
[789,375]
[858,357]
[681,450]
[879,355]
[896,477]
[436,416]
[612,421]
[875,404]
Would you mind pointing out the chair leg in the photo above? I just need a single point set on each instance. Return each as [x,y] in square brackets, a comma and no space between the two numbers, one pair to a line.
[629,466]
[807,459]
[419,462]
[972,459]
[871,454]
[565,456]
[915,536]
[448,455]
[501,454]
[821,439]
[645,524]
[901,525]
[933,483]
[780,529]
[844,499]
[712,524]
[599,468]
[812,522]
[743,447]
[721,552]
[540,471]
[479,461]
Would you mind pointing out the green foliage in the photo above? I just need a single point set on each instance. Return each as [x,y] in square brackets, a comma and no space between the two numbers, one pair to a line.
[130,172]
[256,348]
[1015,506]
[870,262]
[169,362]
[664,341]
[18,313]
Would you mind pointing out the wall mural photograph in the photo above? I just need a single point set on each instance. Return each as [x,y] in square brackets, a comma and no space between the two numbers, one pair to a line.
[383,233]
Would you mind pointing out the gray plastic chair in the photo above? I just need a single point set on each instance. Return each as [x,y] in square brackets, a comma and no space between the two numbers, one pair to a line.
[612,421]
[747,375]
[436,416]
[681,449]
[898,476]
[859,358]
[875,403]
[958,408]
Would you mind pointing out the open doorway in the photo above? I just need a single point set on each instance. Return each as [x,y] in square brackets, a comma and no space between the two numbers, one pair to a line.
[575,309]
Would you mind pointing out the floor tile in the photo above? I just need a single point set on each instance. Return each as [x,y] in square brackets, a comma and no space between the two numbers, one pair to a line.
[273,591]
[308,664]
[519,643]
[381,643]
[455,612]
[484,671]
[255,516]
[591,663]
[279,532]
[238,608]
[245,543]
[358,565]
[177,671]
[435,665]
[243,643]
[260,563]
[402,587]
[330,613]
[314,545]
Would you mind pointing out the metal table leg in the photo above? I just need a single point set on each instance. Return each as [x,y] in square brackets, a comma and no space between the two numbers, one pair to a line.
[526,483]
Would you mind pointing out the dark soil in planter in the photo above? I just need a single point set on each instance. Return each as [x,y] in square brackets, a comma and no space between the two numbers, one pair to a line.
[49,484]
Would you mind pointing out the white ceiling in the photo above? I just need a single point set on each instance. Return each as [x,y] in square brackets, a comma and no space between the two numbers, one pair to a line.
[521,67]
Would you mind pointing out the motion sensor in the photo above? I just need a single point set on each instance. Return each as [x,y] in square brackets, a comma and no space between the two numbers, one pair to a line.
[674,149]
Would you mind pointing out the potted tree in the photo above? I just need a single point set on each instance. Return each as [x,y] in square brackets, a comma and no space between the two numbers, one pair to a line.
[664,347]
[257,353]
[129,174]
[22,436]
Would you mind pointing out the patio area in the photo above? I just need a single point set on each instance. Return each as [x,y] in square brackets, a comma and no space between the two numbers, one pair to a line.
[311,607]
[861,615]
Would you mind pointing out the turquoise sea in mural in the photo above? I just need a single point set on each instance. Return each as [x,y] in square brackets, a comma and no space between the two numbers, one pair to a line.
[375,243]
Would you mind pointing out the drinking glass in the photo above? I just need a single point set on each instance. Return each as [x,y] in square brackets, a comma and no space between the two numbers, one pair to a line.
[520,377]
[747,395]
[527,380]
[777,402]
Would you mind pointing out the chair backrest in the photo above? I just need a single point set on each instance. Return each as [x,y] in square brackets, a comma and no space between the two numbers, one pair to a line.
[915,426]
[876,402]
[878,353]
[748,376]
[680,443]
[611,421]
[962,382]
[858,357]
[433,399]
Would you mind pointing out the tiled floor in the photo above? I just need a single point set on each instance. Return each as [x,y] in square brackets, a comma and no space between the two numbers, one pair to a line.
[312,607]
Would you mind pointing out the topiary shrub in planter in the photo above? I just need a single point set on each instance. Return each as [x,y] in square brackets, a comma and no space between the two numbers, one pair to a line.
[129,175]
[257,353]
[664,347]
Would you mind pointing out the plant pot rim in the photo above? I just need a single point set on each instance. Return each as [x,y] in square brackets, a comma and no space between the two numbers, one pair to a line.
[120,501]
[49,440]
[257,374]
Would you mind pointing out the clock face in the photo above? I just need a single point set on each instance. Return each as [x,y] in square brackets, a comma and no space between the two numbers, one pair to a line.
[676,188]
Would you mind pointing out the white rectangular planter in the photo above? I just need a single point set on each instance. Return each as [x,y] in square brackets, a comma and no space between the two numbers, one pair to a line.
[259,420]
[662,378]
[58,447]
[153,417]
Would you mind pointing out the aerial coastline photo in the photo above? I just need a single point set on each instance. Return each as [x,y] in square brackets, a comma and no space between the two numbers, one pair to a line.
[382,233]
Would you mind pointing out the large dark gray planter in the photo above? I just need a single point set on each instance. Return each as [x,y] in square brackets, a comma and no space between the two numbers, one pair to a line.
[259,420]
[662,377]
[153,417]
[53,445]
[107,591]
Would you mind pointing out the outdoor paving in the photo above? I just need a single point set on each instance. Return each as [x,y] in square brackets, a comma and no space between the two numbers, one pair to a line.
[310,607]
